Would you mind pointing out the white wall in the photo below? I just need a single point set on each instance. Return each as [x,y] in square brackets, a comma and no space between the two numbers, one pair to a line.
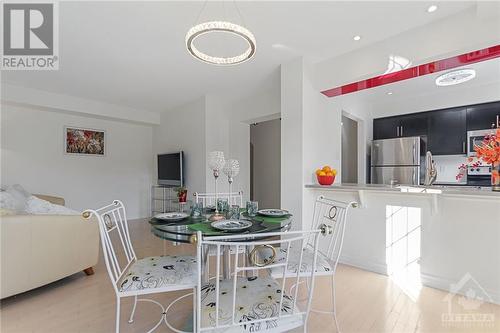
[259,106]
[217,139]
[184,129]
[32,154]
[292,139]
[266,140]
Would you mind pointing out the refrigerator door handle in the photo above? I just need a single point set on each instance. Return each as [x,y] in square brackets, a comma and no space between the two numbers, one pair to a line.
[397,131]
[401,130]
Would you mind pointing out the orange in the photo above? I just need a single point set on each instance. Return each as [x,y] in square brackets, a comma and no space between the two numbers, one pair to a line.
[318,171]
[329,174]
[326,168]
[322,173]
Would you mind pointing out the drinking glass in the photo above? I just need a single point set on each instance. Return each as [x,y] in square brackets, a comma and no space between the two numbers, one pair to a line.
[233,213]
[252,208]
[197,210]
[222,205]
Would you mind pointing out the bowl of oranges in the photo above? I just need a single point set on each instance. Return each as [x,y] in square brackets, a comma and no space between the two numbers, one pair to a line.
[326,175]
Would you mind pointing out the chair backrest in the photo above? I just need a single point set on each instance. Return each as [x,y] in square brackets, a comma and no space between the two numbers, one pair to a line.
[251,297]
[233,198]
[331,215]
[113,220]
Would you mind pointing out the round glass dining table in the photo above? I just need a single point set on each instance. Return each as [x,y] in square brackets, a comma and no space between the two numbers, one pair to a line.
[181,231]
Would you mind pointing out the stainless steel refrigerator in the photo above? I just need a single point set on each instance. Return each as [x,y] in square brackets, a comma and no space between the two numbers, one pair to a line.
[398,161]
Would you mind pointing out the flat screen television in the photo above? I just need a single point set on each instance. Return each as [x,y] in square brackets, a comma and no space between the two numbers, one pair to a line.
[170,169]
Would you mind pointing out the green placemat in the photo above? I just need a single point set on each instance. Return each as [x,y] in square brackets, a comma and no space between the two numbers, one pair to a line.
[269,219]
[205,228]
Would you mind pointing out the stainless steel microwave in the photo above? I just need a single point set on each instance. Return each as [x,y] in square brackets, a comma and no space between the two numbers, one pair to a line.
[475,138]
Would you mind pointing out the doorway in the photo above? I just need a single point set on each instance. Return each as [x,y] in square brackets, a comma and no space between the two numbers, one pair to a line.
[265,163]
[349,171]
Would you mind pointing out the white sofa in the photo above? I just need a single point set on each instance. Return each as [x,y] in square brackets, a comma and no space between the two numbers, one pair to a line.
[40,249]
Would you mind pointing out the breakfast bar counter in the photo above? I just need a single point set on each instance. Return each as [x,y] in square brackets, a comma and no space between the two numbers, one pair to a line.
[448,231]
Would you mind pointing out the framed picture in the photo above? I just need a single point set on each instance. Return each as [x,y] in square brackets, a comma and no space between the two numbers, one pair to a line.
[84,141]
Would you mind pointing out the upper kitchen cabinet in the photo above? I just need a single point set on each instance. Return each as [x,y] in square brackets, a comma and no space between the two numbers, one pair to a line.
[483,116]
[386,128]
[400,126]
[447,132]
[413,125]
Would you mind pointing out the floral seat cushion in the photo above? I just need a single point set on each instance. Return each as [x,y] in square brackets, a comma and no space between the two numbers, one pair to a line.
[323,266]
[160,271]
[256,298]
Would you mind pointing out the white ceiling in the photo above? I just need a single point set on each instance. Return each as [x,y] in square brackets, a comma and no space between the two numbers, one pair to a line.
[133,53]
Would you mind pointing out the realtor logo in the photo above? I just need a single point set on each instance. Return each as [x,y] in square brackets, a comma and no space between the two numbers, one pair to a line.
[30,36]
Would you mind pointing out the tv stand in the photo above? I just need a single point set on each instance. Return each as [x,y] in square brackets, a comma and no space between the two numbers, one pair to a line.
[164,200]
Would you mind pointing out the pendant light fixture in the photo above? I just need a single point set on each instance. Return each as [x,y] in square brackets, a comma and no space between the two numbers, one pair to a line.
[225,27]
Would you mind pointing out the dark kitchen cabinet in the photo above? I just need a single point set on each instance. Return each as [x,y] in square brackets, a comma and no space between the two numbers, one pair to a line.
[386,128]
[413,125]
[483,116]
[447,133]
[400,126]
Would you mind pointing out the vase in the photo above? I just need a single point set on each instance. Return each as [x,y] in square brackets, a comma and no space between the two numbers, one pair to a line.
[495,177]
[182,197]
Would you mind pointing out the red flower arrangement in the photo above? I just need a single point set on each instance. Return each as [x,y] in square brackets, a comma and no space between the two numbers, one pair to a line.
[487,152]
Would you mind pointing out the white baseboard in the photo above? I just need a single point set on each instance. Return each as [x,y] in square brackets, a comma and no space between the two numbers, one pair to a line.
[442,283]
[364,264]
[428,280]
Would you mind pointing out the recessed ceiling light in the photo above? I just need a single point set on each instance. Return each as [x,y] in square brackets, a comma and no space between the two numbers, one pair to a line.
[455,77]
[432,9]
[389,93]
[356,38]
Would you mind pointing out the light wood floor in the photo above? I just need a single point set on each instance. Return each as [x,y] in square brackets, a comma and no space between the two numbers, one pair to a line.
[367,302]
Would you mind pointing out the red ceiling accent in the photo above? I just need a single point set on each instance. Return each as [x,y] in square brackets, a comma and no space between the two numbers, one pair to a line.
[409,73]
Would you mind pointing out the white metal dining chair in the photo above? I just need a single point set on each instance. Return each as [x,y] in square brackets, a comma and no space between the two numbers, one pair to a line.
[208,199]
[135,277]
[332,215]
[251,300]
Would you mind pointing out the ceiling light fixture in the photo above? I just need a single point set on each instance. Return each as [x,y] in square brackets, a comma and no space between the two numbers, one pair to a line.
[455,77]
[357,37]
[225,27]
[432,9]
[389,93]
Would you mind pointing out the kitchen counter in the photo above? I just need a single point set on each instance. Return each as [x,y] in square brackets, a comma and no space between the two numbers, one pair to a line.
[446,190]
[451,231]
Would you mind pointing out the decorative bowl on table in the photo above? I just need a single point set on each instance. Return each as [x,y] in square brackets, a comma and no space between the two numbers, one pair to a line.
[325,180]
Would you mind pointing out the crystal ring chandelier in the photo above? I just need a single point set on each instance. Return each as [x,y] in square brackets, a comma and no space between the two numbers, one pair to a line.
[220,26]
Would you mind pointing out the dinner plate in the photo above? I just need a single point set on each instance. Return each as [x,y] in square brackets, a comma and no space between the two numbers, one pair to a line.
[273,212]
[171,217]
[231,225]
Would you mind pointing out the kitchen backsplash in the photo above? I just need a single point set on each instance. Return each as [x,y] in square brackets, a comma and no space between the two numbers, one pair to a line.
[447,169]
